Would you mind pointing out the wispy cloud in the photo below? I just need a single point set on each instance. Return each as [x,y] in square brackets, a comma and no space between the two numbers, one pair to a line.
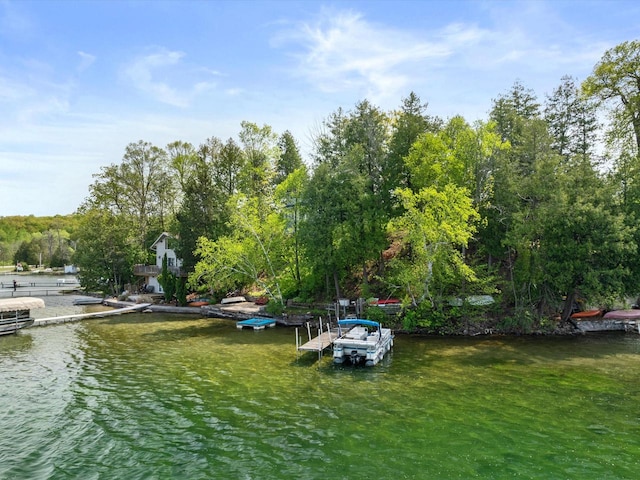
[14,23]
[158,75]
[13,91]
[342,50]
[86,60]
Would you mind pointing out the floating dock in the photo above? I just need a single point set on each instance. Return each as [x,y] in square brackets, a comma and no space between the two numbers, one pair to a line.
[256,323]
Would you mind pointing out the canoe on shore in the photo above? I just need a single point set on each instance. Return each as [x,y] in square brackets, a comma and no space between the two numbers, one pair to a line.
[587,314]
[622,315]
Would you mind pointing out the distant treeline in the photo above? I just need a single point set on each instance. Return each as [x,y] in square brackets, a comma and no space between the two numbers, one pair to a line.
[32,240]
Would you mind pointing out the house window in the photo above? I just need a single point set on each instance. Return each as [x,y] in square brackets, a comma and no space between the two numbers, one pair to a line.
[171,262]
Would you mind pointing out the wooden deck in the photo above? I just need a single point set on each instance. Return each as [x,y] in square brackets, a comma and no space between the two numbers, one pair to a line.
[319,343]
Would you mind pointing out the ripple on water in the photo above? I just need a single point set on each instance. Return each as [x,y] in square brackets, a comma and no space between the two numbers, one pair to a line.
[150,397]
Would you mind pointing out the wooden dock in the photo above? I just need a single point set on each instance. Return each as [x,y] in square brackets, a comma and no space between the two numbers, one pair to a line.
[319,343]
[39,322]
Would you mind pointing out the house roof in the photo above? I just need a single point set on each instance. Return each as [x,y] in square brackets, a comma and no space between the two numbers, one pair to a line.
[162,236]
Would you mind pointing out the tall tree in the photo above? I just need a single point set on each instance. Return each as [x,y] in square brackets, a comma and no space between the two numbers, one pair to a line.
[252,254]
[137,191]
[616,81]
[288,195]
[436,223]
[260,151]
[332,246]
[572,122]
[406,125]
[289,159]
[105,253]
[352,150]
[182,158]
[206,191]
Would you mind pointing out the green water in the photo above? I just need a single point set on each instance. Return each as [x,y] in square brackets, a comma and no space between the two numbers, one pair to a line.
[161,397]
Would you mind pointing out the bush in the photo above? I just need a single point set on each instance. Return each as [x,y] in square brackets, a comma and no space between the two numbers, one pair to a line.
[376,314]
[274,307]
[521,323]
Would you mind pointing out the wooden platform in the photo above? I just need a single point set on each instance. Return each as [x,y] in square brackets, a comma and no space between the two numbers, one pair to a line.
[319,343]
[39,322]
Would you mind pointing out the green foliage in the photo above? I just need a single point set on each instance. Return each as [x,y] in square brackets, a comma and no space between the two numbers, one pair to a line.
[426,318]
[106,253]
[615,81]
[27,253]
[181,291]
[207,177]
[520,323]
[393,202]
[434,225]
[376,314]
[274,308]
[289,159]
[167,281]
[253,254]
[46,238]
[138,191]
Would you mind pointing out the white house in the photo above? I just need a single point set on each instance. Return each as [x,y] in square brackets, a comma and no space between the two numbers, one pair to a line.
[151,272]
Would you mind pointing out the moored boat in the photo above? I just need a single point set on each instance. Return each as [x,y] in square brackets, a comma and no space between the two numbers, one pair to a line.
[15,313]
[361,341]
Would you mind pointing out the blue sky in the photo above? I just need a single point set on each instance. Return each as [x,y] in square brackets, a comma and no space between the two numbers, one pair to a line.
[79,80]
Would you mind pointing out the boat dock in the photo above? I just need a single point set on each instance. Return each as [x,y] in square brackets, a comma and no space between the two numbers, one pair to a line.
[320,343]
[40,322]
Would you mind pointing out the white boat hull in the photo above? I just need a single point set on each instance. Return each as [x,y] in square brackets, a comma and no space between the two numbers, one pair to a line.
[359,346]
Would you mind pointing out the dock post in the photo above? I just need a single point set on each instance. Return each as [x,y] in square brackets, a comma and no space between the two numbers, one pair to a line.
[309,330]
[297,344]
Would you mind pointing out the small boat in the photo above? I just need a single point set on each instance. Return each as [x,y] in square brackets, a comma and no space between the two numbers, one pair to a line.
[88,301]
[228,300]
[361,341]
[587,314]
[15,313]
[622,315]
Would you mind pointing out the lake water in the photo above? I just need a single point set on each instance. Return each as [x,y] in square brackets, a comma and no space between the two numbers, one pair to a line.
[149,396]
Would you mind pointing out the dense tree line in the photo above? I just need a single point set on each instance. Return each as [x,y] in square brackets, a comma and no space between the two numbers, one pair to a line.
[536,206]
[30,240]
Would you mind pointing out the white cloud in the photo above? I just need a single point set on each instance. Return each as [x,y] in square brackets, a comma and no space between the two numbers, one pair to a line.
[144,71]
[343,51]
[86,60]
[13,91]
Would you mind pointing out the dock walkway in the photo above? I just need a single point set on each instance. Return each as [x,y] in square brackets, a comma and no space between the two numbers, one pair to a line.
[39,322]
[319,343]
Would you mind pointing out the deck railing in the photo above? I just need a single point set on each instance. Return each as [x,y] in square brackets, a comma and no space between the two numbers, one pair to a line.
[153,270]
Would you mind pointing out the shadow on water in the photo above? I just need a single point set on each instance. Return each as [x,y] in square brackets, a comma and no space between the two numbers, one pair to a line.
[526,350]
[15,344]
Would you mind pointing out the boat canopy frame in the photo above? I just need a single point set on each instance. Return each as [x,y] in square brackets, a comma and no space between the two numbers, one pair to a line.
[359,321]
